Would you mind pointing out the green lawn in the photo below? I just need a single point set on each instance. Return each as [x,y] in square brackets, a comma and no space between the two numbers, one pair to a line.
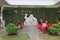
[20,36]
[48,37]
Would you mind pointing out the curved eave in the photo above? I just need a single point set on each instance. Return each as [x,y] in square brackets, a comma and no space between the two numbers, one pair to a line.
[31,6]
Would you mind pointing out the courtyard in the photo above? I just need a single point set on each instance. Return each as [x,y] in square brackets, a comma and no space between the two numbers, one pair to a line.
[30,30]
[24,35]
[20,36]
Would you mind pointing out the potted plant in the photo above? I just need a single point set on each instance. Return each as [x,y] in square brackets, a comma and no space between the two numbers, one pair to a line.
[54,29]
[12,29]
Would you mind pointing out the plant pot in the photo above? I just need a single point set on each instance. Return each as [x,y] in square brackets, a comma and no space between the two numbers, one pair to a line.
[13,34]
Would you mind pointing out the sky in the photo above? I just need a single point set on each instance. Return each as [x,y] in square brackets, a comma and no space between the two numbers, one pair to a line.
[32,2]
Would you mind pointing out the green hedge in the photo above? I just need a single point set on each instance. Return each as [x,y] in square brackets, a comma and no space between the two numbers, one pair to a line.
[49,14]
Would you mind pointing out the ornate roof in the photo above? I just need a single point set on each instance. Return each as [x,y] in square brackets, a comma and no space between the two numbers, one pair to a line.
[32,2]
[3,2]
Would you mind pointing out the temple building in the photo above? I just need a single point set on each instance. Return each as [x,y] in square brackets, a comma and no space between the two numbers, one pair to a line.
[30,5]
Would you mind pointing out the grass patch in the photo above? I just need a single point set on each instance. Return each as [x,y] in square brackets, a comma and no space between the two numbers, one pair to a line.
[48,37]
[20,36]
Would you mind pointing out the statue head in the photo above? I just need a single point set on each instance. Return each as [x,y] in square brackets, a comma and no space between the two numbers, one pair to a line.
[31,16]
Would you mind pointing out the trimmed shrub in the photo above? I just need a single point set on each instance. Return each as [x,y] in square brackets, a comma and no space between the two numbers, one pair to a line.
[12,28]
[54,29]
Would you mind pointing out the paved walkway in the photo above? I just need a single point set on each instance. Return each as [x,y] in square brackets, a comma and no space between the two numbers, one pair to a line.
[32,31]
